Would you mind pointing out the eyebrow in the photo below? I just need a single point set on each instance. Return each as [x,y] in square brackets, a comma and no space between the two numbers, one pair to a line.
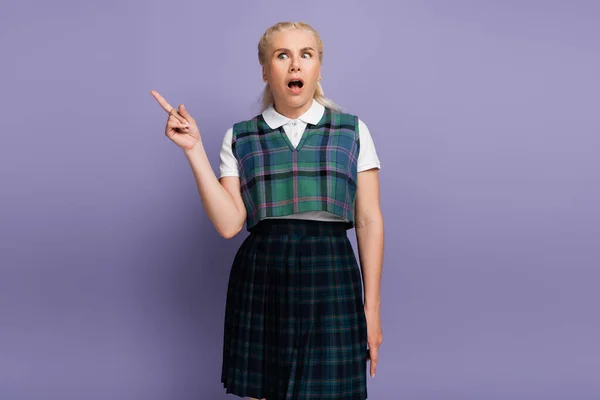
[303,49]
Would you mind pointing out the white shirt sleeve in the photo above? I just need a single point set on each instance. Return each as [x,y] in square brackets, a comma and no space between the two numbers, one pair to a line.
[228,165]
[367,156]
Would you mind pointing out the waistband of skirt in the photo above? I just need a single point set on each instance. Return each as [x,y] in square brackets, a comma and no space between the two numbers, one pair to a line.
[302,227]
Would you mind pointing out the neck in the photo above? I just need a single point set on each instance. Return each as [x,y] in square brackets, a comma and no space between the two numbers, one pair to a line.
[293,112]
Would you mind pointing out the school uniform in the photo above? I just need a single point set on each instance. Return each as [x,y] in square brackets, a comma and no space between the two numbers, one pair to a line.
[294,320]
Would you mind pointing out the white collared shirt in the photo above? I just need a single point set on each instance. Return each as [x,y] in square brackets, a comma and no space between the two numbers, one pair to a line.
[294,129]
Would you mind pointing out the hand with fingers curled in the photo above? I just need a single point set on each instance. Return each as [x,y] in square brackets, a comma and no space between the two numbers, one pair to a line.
[181,128]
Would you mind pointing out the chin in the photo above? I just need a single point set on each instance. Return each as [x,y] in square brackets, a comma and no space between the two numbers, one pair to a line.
[298,101]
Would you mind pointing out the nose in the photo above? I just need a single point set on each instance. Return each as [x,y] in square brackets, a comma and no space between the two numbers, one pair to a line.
[294,67]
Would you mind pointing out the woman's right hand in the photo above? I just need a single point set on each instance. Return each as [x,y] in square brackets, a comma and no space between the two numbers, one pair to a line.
[181,128]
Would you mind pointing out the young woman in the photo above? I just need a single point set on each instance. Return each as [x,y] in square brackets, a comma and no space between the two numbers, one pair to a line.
[297,176]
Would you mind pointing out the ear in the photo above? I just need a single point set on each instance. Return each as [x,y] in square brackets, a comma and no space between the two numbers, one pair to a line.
[264,73]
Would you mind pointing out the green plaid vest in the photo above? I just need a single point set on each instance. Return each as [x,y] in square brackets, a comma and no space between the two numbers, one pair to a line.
[320,174]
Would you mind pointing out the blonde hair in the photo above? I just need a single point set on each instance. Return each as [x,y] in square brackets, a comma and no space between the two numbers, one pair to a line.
[263,45]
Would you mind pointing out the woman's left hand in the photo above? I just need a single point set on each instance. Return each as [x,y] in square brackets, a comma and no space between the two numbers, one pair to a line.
[374,336]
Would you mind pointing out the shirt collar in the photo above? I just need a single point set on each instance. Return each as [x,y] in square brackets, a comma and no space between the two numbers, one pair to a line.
[312,116]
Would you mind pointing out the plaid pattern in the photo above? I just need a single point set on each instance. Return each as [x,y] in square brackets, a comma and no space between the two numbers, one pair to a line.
[318,175]
[295,327]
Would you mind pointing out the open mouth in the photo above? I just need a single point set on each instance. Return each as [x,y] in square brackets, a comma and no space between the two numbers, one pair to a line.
[295,84]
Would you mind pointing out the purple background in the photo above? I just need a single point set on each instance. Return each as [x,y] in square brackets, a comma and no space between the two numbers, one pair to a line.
[486,118]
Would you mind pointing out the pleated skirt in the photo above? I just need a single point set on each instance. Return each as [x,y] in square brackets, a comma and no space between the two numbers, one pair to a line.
[295,326]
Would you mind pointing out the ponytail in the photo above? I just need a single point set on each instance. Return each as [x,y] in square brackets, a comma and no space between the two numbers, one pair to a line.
[267,98]
[320,98]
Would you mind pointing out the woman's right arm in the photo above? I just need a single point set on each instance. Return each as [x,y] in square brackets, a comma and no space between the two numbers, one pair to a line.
[222,199]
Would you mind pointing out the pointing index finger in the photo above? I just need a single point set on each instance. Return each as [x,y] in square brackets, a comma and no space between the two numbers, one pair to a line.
[161,100]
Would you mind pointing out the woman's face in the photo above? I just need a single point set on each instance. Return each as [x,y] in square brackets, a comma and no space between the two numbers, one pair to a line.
[292,71]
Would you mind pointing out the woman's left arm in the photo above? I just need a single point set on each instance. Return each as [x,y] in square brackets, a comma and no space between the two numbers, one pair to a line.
[369,235]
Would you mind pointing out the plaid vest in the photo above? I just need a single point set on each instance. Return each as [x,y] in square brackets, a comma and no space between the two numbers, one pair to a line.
[320,174]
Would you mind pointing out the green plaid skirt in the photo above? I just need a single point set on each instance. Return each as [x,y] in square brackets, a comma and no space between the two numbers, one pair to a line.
[295,326]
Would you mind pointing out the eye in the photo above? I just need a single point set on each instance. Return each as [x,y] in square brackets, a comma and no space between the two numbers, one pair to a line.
[307,54]
[281,56]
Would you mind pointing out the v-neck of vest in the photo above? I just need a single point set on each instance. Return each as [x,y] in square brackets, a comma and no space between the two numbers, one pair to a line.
[304,134]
